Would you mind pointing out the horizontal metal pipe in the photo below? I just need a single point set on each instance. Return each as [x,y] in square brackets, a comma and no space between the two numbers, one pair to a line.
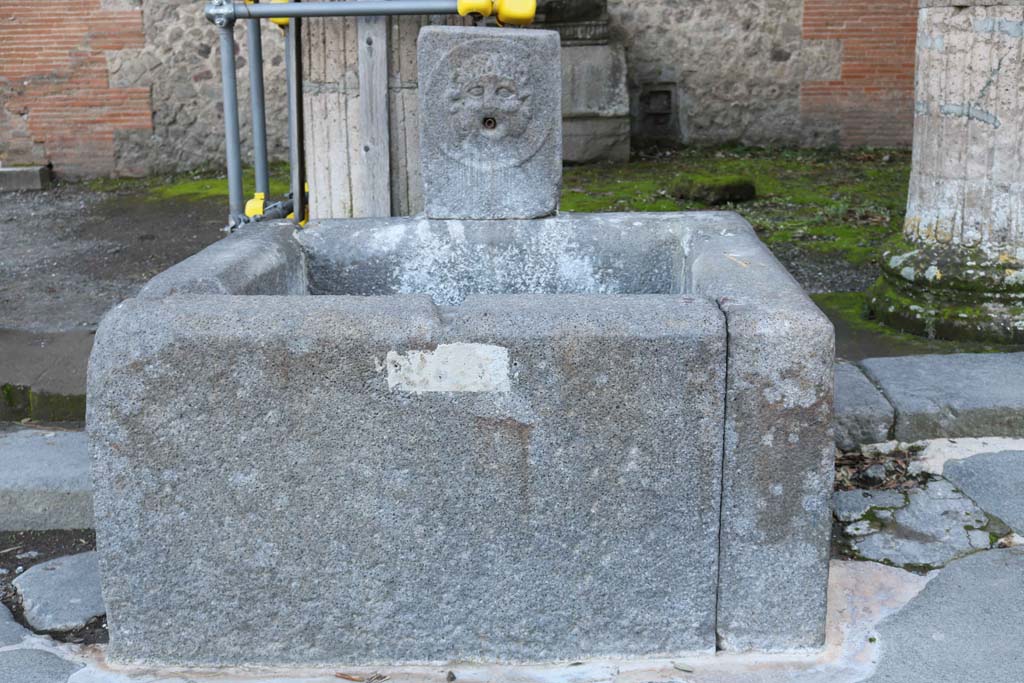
[343,9]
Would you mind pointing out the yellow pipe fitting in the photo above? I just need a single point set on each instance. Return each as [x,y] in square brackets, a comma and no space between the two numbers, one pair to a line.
[280,21]
[482,7]
[515,12]
[254,207]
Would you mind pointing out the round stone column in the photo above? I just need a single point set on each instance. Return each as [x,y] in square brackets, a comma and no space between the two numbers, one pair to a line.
[958,271]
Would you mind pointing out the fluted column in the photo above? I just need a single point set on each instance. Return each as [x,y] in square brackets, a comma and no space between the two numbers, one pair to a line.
[958,271]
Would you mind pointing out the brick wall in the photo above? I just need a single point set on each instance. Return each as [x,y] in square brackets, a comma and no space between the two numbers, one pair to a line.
[872,100]
[56,102]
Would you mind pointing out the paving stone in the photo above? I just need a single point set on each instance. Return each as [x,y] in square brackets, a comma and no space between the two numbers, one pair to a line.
[964,626]
[849,506]
[11,632]
[62,594]
[34,666]
[952,395]
[862,413]
[45,482]
[932,529]
[995,481]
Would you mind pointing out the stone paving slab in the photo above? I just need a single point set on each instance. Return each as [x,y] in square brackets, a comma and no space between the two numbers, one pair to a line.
[937,525]
[862,413]
[62,594]
[34,666]
[965,625]
[995,481]
[952,395]
[45,482]
[849,506]
[11,632]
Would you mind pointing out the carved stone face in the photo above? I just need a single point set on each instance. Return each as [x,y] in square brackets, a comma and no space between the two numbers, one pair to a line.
[489,110]
[489,105]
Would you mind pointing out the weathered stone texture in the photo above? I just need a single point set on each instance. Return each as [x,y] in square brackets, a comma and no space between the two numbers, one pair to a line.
[490,122]
[779,449]
[962,626]
[45,482]
[62,594]
[264,258]
[863,415]
[952,395]
[180,65]
[994,481]
[538,466]
[532,526]
[968,173]
[715,55]
[595,103]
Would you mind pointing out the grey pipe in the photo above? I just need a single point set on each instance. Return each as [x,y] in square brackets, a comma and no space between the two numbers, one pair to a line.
[259,117]
[236,198]
[349,8]
[293,73]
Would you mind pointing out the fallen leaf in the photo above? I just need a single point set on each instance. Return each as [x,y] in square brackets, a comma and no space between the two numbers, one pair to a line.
[348,677]
[682,667]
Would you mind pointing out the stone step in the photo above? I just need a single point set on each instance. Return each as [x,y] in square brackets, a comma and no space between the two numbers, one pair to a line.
[16,178]
[45,481]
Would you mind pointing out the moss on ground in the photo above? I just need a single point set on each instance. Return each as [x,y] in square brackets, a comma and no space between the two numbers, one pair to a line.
[840,204]
[194,185]
[849,310]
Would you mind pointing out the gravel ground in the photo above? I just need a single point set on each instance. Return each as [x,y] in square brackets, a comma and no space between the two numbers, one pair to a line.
[71,253]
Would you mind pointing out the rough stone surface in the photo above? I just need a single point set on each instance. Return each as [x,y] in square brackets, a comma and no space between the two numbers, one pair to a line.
[490,122]
[850,506]
[863,415]
[952,395]
[995,481]
[937,525]
[14,178]
[180,65]
[966,168]
[586,254]
[779,449]
[964,626]
[34,666]
[11,632]
[664,39]
[595,103]
[512,435]
[62,594]
[45,482]
[260,258]
[371,534]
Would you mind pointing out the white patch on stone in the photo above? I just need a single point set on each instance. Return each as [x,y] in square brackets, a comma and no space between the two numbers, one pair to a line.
[938,452]
[450,368]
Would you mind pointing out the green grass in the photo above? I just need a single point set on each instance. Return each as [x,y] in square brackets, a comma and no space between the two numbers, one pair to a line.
[842,204]
[194,185]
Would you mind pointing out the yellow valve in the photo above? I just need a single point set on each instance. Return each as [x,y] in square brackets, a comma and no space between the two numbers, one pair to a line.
[515,12]
[280,21]
[305,213]
[482,7]
[254,207]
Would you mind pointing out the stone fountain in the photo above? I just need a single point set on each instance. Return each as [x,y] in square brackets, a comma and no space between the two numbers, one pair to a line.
[495,432]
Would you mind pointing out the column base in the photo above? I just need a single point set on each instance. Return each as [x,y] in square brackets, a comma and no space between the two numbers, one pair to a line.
[950,292]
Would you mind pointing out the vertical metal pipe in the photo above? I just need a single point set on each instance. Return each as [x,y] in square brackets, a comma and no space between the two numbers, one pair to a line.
[259,117]
[293,68]
[236,199]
